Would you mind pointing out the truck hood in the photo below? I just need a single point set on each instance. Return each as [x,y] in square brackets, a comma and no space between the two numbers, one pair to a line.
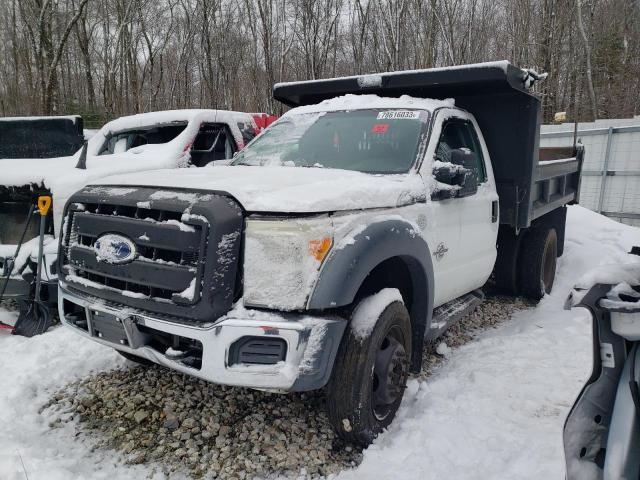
[288,189]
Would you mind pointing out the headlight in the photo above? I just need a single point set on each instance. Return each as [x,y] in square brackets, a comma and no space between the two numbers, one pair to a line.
[282,259]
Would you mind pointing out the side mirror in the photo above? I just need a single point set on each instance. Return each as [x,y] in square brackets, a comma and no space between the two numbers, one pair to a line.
[457,177]
[468,177]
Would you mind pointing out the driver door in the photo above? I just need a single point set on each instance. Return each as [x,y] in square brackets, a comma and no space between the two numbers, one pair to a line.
[461,232]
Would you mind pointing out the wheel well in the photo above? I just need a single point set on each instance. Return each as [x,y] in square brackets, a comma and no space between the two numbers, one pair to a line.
[391,273]
[408,276]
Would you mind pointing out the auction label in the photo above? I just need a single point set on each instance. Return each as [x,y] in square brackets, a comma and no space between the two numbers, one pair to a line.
[398,114]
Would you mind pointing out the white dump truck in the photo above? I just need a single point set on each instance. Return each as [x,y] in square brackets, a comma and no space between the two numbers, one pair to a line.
[360,224]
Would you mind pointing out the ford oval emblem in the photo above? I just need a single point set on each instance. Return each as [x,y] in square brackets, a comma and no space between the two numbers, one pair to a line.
[114,248]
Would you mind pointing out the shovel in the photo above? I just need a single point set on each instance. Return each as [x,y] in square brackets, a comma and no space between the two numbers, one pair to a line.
[35,316]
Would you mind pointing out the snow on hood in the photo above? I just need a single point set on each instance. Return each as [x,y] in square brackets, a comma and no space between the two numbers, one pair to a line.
[288,189]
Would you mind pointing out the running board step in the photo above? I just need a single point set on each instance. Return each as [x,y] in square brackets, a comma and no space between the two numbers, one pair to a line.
[451,312]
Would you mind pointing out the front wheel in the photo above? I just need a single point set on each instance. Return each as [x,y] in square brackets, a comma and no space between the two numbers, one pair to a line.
[369,376]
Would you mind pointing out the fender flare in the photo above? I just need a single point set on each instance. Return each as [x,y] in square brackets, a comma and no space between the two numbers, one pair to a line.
[351,261]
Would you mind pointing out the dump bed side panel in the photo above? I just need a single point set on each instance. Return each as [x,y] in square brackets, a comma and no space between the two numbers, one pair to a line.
[557,179]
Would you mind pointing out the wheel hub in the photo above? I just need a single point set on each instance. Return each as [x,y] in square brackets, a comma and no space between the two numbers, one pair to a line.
[388,374]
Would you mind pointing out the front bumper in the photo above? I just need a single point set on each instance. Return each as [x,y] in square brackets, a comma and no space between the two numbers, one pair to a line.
[311,342]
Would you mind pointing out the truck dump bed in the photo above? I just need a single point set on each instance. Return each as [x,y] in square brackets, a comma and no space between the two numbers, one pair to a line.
[497,94]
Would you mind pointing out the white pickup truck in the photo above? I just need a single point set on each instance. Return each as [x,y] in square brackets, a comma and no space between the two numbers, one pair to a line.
[133,144]
[361,223]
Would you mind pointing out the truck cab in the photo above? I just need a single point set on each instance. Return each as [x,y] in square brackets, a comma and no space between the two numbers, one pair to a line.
[360,224]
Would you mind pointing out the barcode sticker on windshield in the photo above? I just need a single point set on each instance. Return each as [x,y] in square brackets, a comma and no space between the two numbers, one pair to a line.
[398,114]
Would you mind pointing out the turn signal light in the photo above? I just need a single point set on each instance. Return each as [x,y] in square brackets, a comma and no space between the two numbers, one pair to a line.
[319,248]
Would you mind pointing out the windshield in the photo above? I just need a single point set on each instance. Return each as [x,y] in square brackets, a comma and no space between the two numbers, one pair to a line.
[370,141]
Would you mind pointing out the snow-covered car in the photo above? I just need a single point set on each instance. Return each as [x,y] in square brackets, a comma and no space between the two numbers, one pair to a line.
[128,145]
[339,240]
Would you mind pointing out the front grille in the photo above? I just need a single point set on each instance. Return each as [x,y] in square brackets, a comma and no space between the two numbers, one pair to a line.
[175,241]
[167,256]
[145,249]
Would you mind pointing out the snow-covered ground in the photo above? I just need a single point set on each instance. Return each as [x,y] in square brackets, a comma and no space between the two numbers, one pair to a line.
[494,410]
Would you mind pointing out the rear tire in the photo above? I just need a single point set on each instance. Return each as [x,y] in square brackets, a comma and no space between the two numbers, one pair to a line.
[136,359]
[538,258]
[369,377]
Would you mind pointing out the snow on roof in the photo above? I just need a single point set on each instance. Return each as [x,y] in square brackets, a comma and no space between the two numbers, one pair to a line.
[168,116]
[360,102]
[501,64]
[51,117]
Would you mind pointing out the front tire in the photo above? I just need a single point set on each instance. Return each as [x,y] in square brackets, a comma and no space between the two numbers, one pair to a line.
[369,377]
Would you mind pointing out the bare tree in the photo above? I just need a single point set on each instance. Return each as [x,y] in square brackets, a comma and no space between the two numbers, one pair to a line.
[106,58]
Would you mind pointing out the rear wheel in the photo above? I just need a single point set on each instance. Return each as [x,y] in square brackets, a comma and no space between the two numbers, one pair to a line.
[369,377]
[538,258]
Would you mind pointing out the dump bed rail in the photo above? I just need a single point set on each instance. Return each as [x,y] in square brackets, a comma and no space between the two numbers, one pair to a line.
[556,180]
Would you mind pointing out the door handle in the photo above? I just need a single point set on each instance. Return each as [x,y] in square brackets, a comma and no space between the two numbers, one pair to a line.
[494,211]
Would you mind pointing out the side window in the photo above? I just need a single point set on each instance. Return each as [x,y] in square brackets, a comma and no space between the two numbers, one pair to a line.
[460,134]
[212,143]
[125,140]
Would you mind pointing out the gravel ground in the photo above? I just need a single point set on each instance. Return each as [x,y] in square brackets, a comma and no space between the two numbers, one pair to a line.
[181,424]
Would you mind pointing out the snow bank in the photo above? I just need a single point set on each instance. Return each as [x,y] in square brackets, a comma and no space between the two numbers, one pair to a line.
[32,368]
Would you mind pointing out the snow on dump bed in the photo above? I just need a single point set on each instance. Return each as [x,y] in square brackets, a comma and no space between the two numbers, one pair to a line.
[360,102]
[494,410]
[369,78]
